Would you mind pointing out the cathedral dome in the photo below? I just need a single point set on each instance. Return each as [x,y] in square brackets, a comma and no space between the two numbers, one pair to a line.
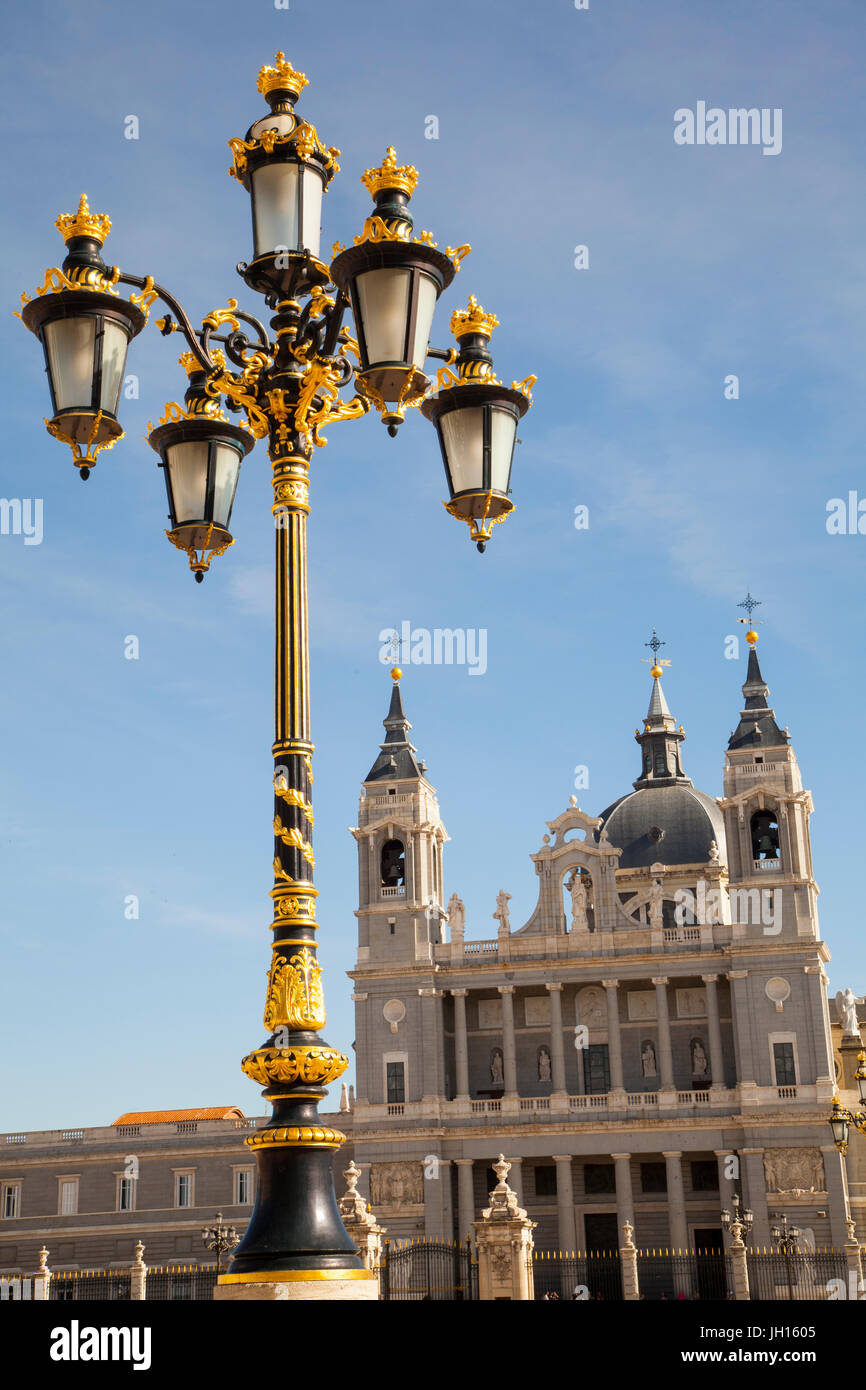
[665,825]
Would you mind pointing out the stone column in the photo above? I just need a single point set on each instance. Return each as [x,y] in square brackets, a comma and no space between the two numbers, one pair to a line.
[42,1278]
[742,1030]
[465,1197]
[624,1195]
[816,985]
[509,1052]
[516,1178]
[461,1044]
[666,1059]
[717,1059]
[138,1275]
[360,1222]
[755,1194]
[628,1262]
[431,1050]
[504,1239]
[837,1193]
[557,1048]
[614,1041]
[565,1202]
[679,1231]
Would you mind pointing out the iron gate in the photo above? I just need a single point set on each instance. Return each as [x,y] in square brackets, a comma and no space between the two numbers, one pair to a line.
[429,1269]
[596,1274]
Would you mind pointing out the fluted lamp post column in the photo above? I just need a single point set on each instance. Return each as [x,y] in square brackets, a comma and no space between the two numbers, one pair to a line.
[284,387]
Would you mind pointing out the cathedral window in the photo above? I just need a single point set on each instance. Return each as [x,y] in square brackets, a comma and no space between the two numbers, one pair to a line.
[705,1175]
[393,864]
[783,1059]
[396,1078]
[597,1069]
[653,1177]
[599,1178]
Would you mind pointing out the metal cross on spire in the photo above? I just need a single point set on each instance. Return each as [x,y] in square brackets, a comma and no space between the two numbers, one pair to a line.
[750,604]
[656,644]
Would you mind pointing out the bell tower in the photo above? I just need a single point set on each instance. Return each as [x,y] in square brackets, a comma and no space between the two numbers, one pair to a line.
[400,837]
[767,809]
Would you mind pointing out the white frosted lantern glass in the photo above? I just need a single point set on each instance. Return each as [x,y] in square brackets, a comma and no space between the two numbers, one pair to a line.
[114,345]
[228,465]
[275,208]
[462,433]
[70,356]
[503,428]
[424,319]
[187,466]
[312,228]
[383,300]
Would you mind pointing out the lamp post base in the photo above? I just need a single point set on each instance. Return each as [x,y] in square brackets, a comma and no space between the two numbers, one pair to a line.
[300,1285]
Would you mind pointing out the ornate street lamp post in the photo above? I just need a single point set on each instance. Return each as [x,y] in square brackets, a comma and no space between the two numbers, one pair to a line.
[740,1223]
[286,389]
[786,1238]
[841,1119]
[219,1238]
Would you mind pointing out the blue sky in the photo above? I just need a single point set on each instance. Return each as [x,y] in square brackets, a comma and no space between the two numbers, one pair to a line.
[152,777]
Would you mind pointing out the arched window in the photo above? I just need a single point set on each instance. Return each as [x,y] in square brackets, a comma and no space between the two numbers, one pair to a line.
[393,864]
[765,835]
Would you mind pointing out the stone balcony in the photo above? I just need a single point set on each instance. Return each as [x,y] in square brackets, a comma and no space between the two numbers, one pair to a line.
[106,1134]
[623,1106]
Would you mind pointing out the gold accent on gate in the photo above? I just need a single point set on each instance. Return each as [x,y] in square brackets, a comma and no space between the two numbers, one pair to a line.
[295,996]
[316,1066]
[81,460]
[290,836]
[297,1136]
[83,223]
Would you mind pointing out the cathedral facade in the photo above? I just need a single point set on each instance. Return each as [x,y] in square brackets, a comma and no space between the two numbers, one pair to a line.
[655,1039]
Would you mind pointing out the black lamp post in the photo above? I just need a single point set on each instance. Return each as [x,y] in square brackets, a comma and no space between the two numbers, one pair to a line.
[286,388]
[841,1119]
[786,1238]
[219,1238]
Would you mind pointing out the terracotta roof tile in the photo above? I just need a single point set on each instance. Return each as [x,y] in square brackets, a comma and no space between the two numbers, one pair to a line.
[158,1117]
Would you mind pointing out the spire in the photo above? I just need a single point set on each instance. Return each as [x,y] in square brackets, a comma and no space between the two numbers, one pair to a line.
[757,727]
[397,758]
[660,738]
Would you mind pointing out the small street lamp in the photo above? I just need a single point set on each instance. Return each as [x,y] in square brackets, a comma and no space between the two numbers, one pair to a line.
[841,1119]
[285,386]
[786,1238]
[219,1238]
[740,1223]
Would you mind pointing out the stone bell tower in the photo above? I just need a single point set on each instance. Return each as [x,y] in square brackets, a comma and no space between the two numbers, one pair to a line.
[400,836]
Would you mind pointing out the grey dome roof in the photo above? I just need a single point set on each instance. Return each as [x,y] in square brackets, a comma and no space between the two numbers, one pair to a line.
[688,819]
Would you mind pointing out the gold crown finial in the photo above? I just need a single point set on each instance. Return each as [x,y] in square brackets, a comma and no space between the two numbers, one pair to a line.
[83,223]
[390,174]
[472,319]
[281,77]
[189,362]
[396,673]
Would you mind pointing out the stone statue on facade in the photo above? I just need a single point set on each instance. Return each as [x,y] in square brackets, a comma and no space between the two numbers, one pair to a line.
[578,901]
[544,1072]
[656,897]
[497,1075]
[648,1060]
[847,1005]
[713,854]
[501,915]
[456,915]
[699,1058]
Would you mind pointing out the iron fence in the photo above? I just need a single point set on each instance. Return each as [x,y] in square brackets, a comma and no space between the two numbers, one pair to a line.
[193,1282]
[676,1276]
[429,1269]
[593,1274]
[69,1286]
[805,1274]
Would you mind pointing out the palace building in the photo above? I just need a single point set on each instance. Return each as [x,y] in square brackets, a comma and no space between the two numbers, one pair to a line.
[654,1039]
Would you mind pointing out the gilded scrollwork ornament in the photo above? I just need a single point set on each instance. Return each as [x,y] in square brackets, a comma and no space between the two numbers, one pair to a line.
[295,998]
[316,1066]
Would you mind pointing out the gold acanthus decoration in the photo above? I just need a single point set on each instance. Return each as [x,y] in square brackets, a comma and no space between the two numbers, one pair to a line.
[145,297]
[293,837]
[303,136]
[208,408]
[293,797]
[295,997]
[200,564]
[83,223]
[88,459]
[237,388]
[226,315]
[297,1137]
[317,1066]
[88,277]
[378,228]
[281,874]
